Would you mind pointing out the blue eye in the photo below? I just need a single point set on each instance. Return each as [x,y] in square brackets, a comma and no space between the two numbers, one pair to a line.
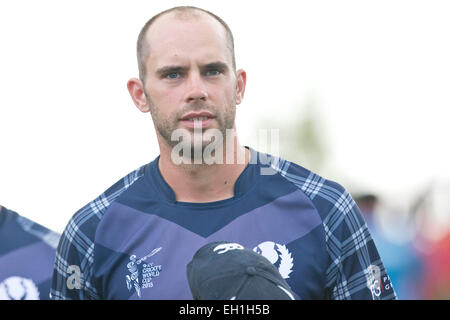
[173,75]
[213,72]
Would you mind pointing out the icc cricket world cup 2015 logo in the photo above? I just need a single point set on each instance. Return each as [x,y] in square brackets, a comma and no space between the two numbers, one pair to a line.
[149,271]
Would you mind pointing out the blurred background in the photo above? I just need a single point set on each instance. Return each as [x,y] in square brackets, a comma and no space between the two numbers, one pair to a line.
[359,91]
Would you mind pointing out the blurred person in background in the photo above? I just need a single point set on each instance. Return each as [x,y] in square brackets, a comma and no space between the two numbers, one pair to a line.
[437,267]
[401,258]
[431,211]
[27,255]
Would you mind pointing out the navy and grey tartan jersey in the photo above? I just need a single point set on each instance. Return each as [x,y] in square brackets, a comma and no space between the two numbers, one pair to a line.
[27,255]
[135,240]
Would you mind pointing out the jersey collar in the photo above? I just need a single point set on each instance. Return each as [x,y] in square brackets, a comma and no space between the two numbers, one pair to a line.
[244,182]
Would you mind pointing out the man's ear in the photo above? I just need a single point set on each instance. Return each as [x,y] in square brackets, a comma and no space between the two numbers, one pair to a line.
[241,76]
[136,90]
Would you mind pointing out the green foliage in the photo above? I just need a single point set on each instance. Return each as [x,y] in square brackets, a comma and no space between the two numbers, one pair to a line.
[301,138]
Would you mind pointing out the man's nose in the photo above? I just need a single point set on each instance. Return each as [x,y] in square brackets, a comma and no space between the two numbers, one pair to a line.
[196,89]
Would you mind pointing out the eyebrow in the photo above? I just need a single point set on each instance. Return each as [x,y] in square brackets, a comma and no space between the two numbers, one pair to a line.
[216,65]
[169,69]
[176,68]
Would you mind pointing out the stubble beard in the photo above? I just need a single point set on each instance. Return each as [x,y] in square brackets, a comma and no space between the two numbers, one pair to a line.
[166,126]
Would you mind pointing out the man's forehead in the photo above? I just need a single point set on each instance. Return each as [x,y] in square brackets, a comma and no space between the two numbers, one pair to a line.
[170,26]
[173,36]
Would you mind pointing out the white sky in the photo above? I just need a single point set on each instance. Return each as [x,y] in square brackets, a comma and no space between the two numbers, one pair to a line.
[378,70]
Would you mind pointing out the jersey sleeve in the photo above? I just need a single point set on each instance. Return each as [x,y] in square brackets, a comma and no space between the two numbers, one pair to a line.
[73,274]
[73,269]
[356,270]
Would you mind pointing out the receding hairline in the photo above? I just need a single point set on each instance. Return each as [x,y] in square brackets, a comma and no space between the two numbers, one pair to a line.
[183,13]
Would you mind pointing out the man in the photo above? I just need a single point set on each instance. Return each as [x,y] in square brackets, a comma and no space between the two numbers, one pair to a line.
[135,240]
[27,255]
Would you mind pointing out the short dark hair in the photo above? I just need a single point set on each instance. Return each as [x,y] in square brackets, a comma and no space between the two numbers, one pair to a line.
[143,47]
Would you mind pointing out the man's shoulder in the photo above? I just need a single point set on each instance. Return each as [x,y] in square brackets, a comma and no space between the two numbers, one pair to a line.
[325,194]
[20,231]
[87,218]
[40,232]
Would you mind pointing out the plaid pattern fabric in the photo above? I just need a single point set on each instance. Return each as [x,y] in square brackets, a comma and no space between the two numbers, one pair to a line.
[72,275]
[355,270]
[45,235]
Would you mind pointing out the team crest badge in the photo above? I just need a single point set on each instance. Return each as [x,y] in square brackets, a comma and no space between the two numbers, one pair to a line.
[278,255]
[18,288]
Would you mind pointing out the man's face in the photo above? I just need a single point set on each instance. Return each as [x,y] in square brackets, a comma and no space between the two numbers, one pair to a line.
[190,78]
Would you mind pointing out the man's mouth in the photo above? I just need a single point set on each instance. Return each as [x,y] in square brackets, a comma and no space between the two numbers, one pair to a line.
[197,119]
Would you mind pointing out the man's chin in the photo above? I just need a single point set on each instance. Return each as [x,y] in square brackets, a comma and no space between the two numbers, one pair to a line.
[198,153]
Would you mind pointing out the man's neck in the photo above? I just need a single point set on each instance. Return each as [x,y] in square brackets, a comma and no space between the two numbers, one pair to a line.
[202,183]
